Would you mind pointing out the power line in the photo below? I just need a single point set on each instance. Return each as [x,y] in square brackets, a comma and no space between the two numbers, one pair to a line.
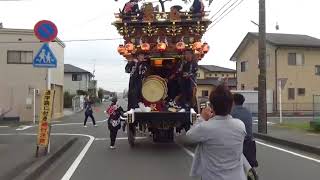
[220,9]
[225,15]
[74,40]
[225,11]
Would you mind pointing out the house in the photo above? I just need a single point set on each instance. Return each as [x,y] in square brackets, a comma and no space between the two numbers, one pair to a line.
[210,76]
[291,59]
[79,79]
[19,79]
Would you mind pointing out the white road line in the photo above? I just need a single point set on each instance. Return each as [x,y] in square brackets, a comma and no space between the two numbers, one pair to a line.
[23,128]
[290,152]
[4,126]
[269,123]
[264,144]
[76,162]
[64,124]
[120,138]
[186,150]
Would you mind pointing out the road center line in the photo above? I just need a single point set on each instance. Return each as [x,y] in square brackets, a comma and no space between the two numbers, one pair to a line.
[289,152]
[4,126]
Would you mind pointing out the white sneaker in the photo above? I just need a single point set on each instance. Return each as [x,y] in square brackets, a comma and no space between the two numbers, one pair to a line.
[95,125]
[85,126]
[112,147]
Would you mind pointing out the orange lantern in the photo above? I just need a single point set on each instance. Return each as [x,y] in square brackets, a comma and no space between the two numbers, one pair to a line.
[205,48]
[161,46]
[129,47]
[145,46]
[197,46]
[157,62]
[180,46]
[121,49]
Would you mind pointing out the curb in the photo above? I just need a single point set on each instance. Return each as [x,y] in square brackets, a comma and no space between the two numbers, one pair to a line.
[298,146]
[36,169]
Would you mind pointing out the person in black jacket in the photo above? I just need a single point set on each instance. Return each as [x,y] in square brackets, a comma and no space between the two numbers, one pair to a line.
[114,124]
[187,73]
[197,7]
[88,112]
[143,66]
[133,69]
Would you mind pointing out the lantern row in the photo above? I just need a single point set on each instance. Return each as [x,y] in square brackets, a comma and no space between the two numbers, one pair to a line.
[130,48]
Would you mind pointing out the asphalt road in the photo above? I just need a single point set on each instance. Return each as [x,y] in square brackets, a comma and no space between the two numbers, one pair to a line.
[147,160]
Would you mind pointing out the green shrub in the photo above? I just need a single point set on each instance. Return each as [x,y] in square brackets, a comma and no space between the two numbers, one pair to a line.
[67,100]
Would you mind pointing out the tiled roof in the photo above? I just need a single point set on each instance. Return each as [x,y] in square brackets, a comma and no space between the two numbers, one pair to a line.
[213,68]
[216,81]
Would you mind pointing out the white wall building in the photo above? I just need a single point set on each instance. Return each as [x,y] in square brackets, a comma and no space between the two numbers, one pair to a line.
[78,79]
[18,78]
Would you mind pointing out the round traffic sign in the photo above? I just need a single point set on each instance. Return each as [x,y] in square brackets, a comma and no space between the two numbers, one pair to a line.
[46,31]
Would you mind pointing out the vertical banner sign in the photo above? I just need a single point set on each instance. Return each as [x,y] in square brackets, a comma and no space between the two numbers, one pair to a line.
[45,118]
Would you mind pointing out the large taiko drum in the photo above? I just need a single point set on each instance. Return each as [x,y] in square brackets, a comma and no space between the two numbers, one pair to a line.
[154,89]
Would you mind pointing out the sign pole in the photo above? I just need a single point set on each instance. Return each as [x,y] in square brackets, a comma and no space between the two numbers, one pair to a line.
[46,31]
[49,88]
[280,99]
[34,106]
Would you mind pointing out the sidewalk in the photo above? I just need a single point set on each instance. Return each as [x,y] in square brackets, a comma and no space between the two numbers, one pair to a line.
[17,154]
[298,139]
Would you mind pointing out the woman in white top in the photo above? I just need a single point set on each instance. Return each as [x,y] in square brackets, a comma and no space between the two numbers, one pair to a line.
[220,139]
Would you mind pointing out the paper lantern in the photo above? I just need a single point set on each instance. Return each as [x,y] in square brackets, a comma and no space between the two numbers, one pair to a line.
[129,47]
[205,48]
[157,63]
[145,46]
[180,46]
[161,46]
[197,46]
[121,49]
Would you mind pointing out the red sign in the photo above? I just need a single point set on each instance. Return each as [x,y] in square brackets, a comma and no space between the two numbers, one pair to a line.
[46,31]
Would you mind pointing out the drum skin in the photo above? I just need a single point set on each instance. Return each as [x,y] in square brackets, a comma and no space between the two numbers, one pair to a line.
[154,89]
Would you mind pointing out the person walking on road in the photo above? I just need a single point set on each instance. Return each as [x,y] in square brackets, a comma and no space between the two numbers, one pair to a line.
[220,139]
[88,106]
[242,113]
[114,124]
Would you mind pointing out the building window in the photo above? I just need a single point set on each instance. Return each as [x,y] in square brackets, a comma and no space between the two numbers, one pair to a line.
[227,75]
[76,77]
[290,93]
[205,93]
[301,91]
[317,70]
[216,75]
[244,66]
[222,75]
[242,86]
[210,75]
[198,75]
[19,57]
[295,59]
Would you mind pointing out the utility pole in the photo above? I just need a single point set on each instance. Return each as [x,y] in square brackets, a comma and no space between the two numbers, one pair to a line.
[262,103]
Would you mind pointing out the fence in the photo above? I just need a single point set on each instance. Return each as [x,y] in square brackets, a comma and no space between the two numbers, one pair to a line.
[316,107]
[77,103]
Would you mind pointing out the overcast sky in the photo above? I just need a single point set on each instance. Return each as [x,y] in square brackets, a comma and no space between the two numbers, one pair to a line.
[88,19]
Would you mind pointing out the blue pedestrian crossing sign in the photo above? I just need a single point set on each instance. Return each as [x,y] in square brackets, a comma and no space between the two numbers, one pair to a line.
[45,58]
